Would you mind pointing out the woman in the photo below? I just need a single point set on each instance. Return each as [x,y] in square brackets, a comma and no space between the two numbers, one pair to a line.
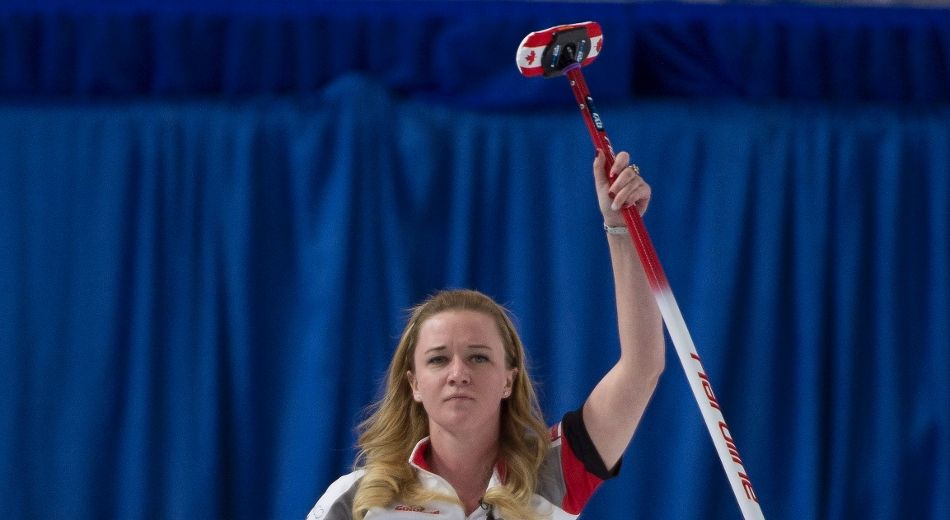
[459,433]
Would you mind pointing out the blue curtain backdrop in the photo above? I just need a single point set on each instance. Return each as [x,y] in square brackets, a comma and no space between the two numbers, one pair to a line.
[200,288]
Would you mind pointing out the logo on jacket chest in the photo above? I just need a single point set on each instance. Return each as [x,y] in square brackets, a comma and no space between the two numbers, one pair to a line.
[402,508]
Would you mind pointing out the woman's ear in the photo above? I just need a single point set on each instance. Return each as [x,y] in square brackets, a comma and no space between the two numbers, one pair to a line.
[510,381]
[413,386]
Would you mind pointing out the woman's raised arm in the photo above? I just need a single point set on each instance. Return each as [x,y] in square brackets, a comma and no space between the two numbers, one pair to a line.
[615,406]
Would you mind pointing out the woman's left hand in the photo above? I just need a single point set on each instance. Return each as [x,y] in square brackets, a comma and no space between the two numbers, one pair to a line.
[627,189]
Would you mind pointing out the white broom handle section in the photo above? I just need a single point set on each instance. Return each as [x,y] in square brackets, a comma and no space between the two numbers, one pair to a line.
[708,405]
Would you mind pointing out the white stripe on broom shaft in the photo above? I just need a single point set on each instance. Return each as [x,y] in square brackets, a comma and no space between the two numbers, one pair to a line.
[708,405]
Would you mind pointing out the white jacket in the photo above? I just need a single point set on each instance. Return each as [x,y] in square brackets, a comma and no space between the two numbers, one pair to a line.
[569,475]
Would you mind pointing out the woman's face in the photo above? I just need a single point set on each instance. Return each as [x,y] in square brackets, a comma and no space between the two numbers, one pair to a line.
[460,373]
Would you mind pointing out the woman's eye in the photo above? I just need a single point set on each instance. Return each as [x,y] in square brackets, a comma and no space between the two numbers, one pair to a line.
[480,358]
[436,360]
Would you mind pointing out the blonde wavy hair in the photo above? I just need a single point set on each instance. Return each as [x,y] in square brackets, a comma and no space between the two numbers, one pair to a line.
[398,422]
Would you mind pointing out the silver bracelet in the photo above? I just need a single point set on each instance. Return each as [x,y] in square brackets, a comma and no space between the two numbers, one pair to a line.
[615,230]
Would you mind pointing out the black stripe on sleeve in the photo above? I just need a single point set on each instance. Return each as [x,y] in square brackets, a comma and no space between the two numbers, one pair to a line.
[583,447]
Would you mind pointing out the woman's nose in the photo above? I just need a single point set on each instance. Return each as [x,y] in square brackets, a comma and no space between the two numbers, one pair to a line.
[459,373]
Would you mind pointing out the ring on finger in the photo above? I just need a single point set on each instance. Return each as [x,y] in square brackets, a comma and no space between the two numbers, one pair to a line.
[635,168]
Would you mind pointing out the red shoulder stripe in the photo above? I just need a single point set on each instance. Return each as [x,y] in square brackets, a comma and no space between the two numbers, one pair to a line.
[580,485]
